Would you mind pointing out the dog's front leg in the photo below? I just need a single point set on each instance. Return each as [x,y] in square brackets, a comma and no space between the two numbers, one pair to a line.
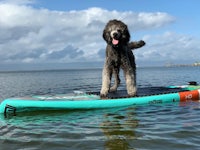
[106,79]
[130,82]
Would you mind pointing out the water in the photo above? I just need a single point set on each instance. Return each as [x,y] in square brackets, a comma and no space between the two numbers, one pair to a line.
[168,126]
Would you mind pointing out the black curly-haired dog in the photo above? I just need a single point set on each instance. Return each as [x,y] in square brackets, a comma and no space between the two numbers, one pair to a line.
[115,72]
[119,55]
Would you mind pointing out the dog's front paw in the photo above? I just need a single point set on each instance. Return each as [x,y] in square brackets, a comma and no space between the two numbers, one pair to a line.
[132,92]
[141,43]
[104,93]
[103,96]
[131,95]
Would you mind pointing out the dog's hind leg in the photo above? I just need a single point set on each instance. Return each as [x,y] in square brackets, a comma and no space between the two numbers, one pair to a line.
[117,80]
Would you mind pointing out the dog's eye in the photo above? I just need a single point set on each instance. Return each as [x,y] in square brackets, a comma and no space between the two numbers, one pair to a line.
[119,31]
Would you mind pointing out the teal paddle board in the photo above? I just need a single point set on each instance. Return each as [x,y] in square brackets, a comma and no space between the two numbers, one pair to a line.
[91,100]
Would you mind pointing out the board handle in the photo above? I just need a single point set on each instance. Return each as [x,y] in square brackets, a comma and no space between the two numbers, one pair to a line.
[9,108]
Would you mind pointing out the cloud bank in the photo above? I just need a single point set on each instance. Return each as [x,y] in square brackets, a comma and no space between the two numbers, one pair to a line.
[170,47]
[31,35]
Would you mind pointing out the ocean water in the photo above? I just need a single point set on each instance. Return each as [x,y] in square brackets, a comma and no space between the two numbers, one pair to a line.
[168,126]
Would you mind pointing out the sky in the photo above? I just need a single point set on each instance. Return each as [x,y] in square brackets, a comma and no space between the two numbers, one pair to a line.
[62,34]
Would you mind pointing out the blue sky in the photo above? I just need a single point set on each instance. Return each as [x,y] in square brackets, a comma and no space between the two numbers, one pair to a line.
[49,34]
[185,11]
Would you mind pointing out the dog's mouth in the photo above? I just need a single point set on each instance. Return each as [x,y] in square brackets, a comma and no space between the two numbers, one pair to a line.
[114,41]
[115,36]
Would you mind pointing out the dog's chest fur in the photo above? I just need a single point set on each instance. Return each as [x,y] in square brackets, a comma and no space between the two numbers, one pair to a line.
[116,56]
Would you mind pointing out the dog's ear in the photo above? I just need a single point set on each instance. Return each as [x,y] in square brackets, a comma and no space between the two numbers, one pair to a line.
[106,36]
[126,35]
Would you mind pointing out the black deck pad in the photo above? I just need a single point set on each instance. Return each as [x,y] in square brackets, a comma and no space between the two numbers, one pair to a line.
[146,91]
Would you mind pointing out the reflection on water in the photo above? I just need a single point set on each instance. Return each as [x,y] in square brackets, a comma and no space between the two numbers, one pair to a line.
[119,129]
[114,127]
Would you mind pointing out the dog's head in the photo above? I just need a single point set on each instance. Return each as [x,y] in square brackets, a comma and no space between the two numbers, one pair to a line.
[116,33]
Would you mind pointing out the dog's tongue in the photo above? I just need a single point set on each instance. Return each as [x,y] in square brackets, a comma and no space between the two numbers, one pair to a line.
[115,42]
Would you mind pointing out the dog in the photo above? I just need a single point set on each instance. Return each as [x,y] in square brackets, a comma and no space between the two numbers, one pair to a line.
[119,55]
[132,46]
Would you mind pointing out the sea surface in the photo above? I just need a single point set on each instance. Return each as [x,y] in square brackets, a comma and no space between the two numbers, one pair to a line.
[150,127]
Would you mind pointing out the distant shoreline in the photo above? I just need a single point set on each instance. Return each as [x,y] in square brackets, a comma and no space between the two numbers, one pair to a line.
[97,68]
[78,66]
[183,65]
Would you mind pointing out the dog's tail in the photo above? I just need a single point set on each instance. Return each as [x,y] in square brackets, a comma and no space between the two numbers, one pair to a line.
[135,45]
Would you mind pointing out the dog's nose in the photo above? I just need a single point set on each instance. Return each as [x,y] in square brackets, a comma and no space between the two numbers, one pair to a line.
[115,34]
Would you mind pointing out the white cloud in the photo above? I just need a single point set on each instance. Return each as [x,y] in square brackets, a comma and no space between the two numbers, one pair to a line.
[31,35]
[170,47]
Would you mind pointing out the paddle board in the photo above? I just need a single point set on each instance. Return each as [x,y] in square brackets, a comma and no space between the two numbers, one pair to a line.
[91,100]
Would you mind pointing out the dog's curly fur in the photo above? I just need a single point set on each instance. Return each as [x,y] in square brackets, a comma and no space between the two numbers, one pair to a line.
[132,46]
[119,55]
